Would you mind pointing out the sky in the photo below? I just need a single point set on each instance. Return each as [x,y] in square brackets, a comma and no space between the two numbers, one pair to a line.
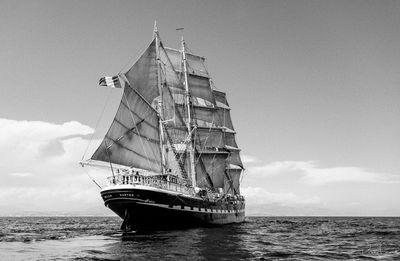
[314,88]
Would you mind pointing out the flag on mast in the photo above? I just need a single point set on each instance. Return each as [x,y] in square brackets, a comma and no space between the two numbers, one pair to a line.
[108,81]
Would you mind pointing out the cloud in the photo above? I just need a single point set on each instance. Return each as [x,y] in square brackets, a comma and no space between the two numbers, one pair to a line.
[40,166]
[12,130]
[304,187]
[51,149]
[257,195]
[72,198]
[310,173]
[47,195]
[21,174]
[261,202]
[321,176]
[248,159]
[26,144]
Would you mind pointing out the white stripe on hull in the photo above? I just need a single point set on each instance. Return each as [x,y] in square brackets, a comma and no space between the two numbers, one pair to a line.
[195,209]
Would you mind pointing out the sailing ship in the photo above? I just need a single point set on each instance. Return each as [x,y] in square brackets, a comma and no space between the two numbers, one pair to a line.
[171,149]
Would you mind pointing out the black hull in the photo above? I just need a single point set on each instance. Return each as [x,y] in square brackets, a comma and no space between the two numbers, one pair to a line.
[149,209]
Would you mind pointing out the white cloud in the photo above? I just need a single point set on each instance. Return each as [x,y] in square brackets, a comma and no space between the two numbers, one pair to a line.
[40,163]
[12,130]
[310,173]
[304,185]
[52,195]
[257,196]
[248,159]
[25,145]
[21,174]
[71,198]
[320,176]
[279,167]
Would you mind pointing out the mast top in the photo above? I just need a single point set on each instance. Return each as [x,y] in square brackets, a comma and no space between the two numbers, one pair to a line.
[181,29]
[155,30]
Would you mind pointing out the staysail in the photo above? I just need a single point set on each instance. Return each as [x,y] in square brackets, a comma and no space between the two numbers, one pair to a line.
[143,74]
[134,136]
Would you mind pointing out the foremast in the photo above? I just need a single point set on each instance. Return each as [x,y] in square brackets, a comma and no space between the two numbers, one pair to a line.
[164,83]
[160,111]
[190,147]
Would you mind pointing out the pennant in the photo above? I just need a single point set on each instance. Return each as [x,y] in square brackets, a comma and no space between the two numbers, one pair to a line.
[112,82]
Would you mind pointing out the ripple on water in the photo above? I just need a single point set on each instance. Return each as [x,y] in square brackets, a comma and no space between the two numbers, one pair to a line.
[259,238]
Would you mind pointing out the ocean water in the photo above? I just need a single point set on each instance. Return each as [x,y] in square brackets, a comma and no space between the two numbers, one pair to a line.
[259,238]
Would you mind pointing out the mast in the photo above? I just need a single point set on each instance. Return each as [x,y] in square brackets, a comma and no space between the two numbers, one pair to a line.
[160,111]
[189,120]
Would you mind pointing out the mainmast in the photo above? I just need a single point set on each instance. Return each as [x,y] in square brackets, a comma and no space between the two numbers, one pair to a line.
[190,147]
[159,85]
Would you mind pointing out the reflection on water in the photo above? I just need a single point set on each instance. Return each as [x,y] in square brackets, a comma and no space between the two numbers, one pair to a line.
[166,245]
[225,243]
[268,238]
[220,243]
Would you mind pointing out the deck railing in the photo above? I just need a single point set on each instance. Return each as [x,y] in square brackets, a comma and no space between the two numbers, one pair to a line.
[167,182]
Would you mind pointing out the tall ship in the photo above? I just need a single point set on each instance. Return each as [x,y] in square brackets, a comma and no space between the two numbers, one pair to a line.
[171,153]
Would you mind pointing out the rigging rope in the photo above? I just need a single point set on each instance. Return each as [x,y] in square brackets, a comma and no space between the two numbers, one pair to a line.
[97,123]
[180,163]
[93,180]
